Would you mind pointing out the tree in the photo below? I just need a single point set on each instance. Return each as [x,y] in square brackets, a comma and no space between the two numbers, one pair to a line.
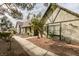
[5,33]
[13,9]
[5,24]
[29,6]
[39,15]
[37,26]
[28,16]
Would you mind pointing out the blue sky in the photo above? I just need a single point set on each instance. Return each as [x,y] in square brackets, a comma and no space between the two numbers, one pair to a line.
[71,6]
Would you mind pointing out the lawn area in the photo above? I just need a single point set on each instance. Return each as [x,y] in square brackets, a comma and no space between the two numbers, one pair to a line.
[58,47]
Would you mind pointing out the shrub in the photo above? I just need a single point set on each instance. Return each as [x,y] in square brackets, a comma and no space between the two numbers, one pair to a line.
[51,35]
[5,35]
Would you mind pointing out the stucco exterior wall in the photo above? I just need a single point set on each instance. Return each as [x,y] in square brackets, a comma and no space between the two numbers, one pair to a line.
[69,29]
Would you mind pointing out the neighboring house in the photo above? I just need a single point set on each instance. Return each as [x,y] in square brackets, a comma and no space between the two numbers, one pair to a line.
[19,27]
[65,19]
[27,28]
[24,27]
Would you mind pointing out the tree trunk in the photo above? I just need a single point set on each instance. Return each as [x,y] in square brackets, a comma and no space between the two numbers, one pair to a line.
[36,33]
[41,34]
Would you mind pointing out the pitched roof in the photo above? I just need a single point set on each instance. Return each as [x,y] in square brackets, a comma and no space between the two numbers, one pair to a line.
[19,23]
[47,13]
[27,23]
[69,10]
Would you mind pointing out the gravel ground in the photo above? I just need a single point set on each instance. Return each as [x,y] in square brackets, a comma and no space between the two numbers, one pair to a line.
[57,47]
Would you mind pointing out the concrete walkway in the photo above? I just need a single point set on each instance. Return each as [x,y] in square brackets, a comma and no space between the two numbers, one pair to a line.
[31,48]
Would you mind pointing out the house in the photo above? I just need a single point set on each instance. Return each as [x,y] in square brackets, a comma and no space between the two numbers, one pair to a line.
[24,28]
[63,22]
[27,28]
[19,27]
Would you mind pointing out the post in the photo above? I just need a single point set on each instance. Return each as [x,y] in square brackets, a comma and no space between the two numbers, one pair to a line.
[47,30]
[60,31]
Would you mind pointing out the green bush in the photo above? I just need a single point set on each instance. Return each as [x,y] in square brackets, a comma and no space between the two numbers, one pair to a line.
[5,35]
[51,35]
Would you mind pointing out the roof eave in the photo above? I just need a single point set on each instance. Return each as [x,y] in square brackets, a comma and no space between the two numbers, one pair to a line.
[69,11]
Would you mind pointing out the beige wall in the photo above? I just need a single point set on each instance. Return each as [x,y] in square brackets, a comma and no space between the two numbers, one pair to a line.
[69,29]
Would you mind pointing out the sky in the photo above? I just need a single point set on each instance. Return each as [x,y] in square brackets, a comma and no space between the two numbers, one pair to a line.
[71,6]
[39,7]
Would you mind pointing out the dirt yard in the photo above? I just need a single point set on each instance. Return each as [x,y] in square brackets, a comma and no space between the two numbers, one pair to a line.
[16,49]
[58,47]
